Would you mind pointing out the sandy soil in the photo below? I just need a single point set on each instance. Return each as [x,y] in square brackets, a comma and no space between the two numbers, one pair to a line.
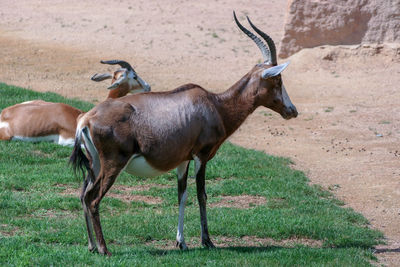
[346,137]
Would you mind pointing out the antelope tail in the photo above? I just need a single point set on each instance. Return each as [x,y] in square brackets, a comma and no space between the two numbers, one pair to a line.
[80,163]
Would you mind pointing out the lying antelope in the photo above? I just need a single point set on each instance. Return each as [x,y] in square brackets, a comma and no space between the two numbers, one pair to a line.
[39,120]
[151,133]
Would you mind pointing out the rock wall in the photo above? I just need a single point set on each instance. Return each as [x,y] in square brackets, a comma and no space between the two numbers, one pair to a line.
[311,23]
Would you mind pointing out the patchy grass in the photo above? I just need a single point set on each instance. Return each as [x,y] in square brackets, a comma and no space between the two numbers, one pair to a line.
[297,224]
[240,202]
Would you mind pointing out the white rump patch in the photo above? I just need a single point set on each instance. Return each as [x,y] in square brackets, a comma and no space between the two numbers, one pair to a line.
[138,166]
[87,138]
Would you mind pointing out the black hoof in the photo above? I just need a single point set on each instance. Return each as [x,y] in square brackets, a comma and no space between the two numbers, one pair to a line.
[92,249]
[208,243]
[182,246]
[105,253]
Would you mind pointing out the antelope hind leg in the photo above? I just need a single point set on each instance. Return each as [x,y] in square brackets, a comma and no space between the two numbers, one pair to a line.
[89,225]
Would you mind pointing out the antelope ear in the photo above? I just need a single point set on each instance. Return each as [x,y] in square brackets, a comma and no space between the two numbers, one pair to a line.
[274,71]
[98,77]
[116,83]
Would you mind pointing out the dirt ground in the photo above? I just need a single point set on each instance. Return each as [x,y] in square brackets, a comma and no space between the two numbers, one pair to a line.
[346,137]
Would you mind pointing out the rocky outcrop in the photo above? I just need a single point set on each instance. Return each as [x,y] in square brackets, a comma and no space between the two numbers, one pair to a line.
[311,23]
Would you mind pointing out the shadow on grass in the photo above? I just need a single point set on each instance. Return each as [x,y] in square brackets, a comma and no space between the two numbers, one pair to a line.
[172,252]
[237,249]
[244,250]
[384,250]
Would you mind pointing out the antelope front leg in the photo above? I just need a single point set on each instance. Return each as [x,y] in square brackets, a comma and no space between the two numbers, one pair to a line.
[200,169]
[182,172]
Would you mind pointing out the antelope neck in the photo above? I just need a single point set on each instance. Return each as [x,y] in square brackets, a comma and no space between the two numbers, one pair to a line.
[236,104]
[120,91]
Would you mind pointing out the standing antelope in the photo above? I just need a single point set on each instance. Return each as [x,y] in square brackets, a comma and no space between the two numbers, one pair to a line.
[39,120]
[152,133]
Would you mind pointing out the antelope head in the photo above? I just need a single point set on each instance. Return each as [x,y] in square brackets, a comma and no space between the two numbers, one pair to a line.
[266,77]
[124,78]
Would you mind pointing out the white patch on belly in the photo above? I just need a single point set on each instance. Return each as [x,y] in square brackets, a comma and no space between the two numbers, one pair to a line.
[55,138]
[138,166]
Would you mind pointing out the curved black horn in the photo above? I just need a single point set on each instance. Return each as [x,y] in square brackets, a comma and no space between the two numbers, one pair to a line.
[122,63]
[264,50]
[269,41]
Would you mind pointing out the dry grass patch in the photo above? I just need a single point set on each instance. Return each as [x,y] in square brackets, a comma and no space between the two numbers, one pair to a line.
[137,188]
[71,192]
[41,154]
[240,202]
[129,198]
[253,241]
[124,193]
[42,213]
[8,231]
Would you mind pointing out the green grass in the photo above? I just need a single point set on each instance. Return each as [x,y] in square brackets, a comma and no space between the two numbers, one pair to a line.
[39,225]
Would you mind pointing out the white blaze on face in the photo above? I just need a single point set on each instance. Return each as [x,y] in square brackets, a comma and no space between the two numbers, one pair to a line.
[131,80]
[285,98]
[137,84]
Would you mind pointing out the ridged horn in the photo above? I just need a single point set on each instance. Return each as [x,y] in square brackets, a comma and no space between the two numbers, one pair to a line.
[264,50]
[122,63]
[269,41]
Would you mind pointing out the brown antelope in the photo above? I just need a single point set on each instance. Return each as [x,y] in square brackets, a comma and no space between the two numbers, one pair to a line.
[151,133]
[39,120]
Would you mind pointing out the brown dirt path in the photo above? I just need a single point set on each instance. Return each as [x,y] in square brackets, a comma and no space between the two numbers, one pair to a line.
[346,137]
